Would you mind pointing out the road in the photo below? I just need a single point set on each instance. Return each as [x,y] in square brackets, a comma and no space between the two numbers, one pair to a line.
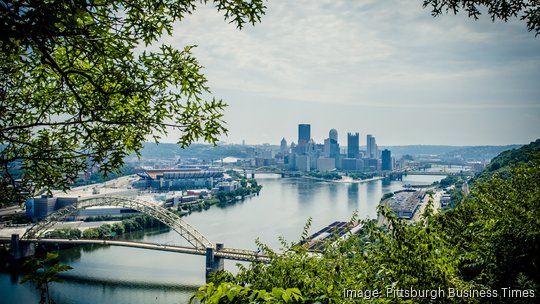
[10,210]
[436,205]
[8,231]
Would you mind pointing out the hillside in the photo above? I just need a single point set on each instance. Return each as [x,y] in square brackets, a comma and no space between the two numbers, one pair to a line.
[508,159]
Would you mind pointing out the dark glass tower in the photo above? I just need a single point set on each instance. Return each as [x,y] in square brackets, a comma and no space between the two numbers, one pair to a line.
[304,133]
[353,145]
[386,156]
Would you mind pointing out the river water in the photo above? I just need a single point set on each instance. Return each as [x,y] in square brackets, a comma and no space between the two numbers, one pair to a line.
[103,274]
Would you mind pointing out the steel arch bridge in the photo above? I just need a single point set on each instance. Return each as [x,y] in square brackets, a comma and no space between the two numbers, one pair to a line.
[163,215]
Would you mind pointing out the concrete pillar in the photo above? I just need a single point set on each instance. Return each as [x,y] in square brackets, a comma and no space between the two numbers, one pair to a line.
[219,262]
[213,263]
[209,261]
[21,250]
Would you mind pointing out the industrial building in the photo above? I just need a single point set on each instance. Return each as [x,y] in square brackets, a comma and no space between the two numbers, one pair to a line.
[40,207]
[178,178]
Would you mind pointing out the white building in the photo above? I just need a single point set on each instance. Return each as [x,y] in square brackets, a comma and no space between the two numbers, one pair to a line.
[326,164]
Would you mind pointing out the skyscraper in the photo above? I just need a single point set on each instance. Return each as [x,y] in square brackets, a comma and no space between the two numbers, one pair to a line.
[331,146]
[371,146]
[386,156]
[284,148]
[353,145]
[333,135]
[304,135]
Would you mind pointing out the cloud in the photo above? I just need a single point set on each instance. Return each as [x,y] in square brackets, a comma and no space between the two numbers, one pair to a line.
[374,54]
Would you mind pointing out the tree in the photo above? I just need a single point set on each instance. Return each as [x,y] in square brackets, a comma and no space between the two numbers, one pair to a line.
[527,10]
[90,233]
[81,87]
[44,271]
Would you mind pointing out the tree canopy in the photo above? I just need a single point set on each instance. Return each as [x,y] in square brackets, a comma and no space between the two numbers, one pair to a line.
[81,88]
[526,10]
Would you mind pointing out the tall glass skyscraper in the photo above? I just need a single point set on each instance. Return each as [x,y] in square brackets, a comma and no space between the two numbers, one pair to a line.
[371,146]
[304,133]
[353,145]
[386,156]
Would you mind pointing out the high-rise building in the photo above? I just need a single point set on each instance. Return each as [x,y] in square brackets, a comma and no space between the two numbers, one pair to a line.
[331,146]
[386,156]
[303,163]
[327,147]
[371,147]
[304,135]
[284,148]
[353,145]
[334,145]
[333,135]
[326,164]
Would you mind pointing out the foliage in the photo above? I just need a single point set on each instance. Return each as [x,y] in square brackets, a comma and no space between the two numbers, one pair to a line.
[64,233]
[409,256]
[44,271]
[133,223]
[362,175]
[528,10]
[233,293]
[83,85]
[448,181]
[325,175]
[498,229]
[254,187]
[510,158]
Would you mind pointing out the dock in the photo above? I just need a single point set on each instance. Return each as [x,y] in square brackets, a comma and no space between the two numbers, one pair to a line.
[337,229]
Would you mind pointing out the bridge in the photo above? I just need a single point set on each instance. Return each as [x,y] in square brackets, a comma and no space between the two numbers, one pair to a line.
[266,170]
[465,173]
[221,252]
[215,254]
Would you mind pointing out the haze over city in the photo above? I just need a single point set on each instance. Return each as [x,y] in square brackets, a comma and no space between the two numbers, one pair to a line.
[386,68]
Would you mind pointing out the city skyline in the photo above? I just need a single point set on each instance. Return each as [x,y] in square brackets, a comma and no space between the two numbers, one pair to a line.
[389,69]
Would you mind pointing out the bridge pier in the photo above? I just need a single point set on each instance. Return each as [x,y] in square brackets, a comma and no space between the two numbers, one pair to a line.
[21,250]
[213,263]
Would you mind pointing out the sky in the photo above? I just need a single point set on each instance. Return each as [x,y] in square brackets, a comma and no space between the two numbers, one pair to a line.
[386,68]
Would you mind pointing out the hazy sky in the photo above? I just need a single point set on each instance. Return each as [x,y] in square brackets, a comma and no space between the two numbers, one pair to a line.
[386,68]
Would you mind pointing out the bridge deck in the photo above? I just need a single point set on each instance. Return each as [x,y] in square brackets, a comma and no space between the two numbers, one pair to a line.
[226,253]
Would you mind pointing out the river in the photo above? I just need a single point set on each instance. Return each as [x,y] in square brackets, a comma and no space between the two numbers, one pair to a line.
[129,275]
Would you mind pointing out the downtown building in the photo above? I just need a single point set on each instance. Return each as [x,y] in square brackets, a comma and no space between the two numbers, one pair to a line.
[308,155]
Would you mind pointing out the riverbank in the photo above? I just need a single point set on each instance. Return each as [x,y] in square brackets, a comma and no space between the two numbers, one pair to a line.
[344,179]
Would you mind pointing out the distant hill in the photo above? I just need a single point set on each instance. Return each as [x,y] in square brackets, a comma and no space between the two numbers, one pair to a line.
[507,159]
[420,149]
[464,152]
[479,152]
[209,152]
[201,151]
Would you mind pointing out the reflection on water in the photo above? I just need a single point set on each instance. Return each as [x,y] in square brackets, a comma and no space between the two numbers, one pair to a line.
[104,274]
